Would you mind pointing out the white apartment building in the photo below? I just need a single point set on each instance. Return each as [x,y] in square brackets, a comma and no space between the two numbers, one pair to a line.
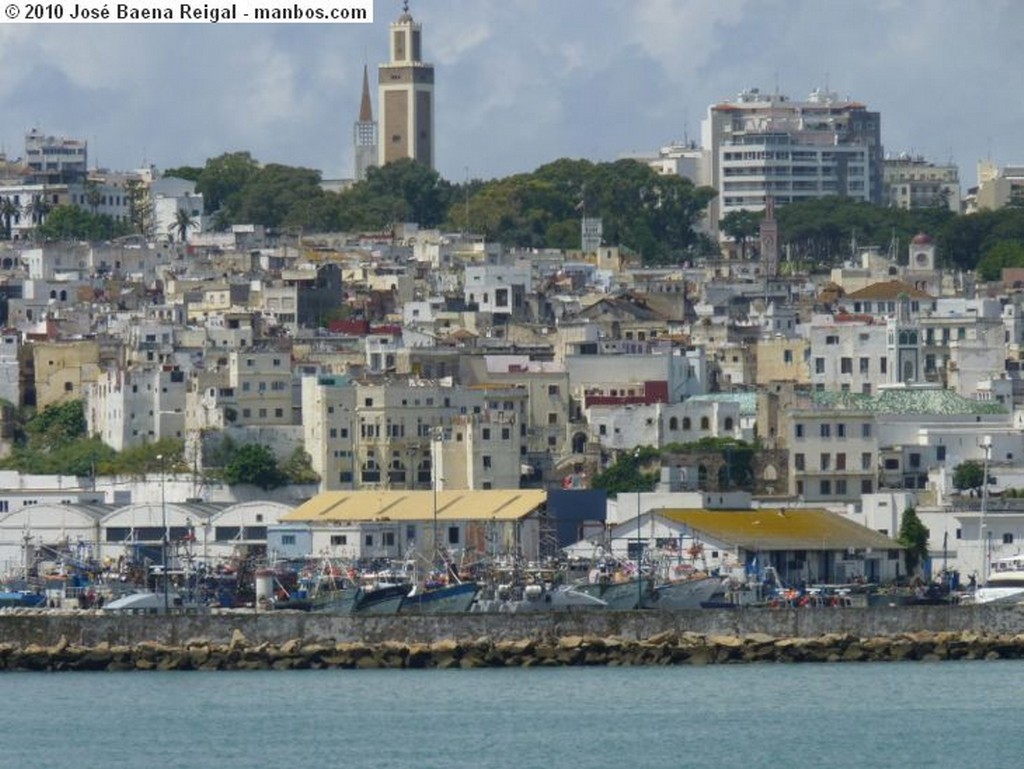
[381,436]
[10,367]
[848,353]
[497,289]
[624,427]
[833,454]
[132,407]
[170,195]
[685,372]
[912,182]
[764,145]
[242,389]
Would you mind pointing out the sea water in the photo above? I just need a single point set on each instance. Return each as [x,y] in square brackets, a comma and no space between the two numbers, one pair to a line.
[952,714]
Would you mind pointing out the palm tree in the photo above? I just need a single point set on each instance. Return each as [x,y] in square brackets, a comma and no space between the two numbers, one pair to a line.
[38,209]
[8,210]
[183,222]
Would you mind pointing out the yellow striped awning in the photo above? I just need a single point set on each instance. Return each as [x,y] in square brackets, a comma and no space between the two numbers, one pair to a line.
[369,505]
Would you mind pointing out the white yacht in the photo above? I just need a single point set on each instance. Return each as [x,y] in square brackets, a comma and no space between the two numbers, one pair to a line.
[1005,582]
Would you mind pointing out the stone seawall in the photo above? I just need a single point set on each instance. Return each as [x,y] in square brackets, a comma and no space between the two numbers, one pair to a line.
[75,641]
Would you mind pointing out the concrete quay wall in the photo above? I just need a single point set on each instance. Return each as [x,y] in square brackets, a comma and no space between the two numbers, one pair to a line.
[91,629]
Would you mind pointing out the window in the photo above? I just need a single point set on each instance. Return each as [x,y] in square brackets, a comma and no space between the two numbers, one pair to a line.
[798,461]
[826,430]
[832,339]
[687,424]
[825,488]
[866,486]
[287,539]
[915,460]
[865,430]
[819,365]
[826,461]
[389,538]
[787,356]
[841,430]
[940,453]
[883,365]
[552,418]
[864,365]
[799,430]
[368,540]
[453,535]
[846,365]
[552,389]
[705,423]
[841,487]
[1007,538]
[486,433]
[840,461]
[339,539]
[865,460]
[486,461]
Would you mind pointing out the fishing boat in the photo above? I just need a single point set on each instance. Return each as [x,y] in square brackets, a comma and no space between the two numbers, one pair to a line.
[440,599]
[692,593]
[536,598]
[379,599]
[622,595]
[154,603]
[22,599]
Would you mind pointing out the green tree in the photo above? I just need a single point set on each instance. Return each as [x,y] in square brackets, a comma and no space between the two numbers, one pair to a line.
[276,195]
[968,475]
[183,222]
[256,465]
[56,425]
[742,226]
[1004,254]
[66,222]
[299,467]
[8,210]
[914,539]
[627,473]
[223,178]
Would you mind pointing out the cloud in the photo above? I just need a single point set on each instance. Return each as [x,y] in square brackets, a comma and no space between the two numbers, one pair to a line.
[519,84]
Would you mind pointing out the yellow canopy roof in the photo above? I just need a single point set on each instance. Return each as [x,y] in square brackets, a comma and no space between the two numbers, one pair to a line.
[781,529]
[338,506]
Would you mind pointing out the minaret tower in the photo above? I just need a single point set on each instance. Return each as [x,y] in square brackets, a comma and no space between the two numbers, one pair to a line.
[364,133]
[405,97]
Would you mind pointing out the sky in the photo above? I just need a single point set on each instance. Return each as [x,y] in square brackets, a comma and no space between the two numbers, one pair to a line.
[520,83]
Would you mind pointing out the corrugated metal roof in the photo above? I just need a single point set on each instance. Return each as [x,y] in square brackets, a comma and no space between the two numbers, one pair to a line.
[781,529]
[336,506]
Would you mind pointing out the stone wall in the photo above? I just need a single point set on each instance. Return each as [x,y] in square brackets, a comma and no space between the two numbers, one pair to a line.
[91,628]
[283,641]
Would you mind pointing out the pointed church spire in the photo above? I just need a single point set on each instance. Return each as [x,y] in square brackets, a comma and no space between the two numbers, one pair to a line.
[365,108]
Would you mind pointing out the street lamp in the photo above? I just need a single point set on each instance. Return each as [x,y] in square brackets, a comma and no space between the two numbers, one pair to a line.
[435,456]
[986,445]
[163,518]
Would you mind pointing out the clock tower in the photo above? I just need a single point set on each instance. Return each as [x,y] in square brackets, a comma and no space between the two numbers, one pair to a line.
[922,254]
[769,241]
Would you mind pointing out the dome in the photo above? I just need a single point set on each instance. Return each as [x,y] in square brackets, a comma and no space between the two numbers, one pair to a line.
[922,239]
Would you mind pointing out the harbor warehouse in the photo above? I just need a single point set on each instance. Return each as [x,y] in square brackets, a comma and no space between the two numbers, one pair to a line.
[466,525]
[801,544]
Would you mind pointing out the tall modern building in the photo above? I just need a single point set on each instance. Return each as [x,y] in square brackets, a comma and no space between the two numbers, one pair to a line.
[764,145]
[364,133]
[405,97]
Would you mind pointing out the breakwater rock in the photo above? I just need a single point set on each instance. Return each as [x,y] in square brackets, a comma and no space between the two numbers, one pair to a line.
[668,648]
